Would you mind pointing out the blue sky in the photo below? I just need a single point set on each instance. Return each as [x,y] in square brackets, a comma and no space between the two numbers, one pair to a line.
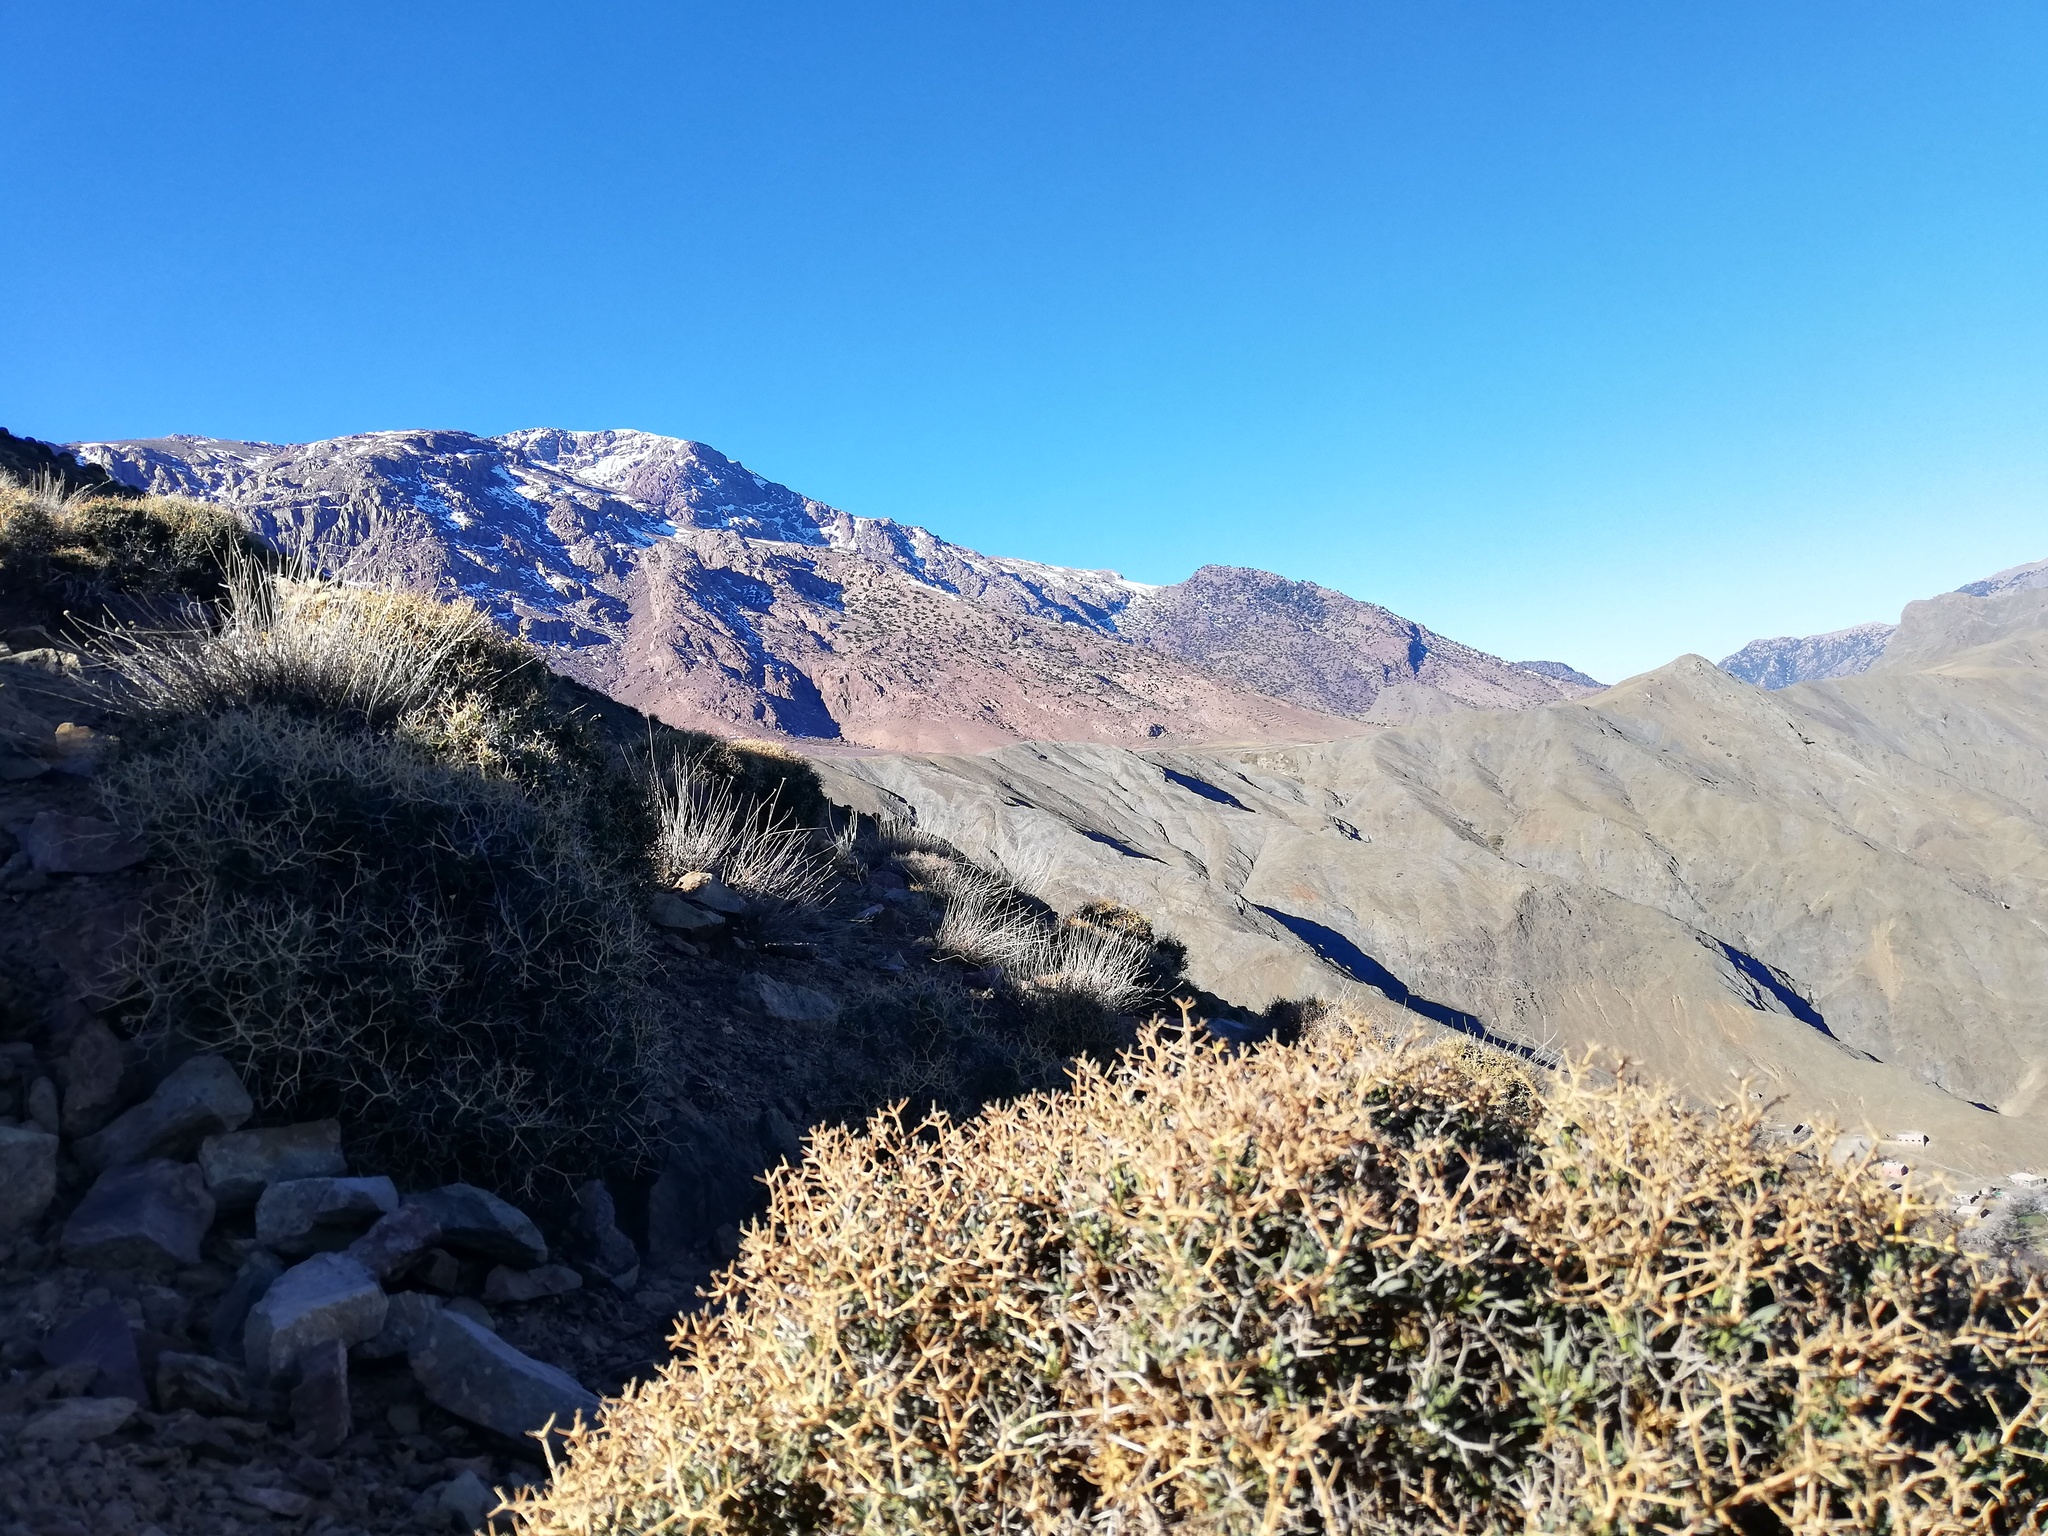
[1600,332]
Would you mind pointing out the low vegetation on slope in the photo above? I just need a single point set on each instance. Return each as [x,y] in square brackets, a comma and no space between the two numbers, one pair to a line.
[1336,1287]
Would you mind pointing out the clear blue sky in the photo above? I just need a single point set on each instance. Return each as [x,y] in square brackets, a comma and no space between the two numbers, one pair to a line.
[1591,331]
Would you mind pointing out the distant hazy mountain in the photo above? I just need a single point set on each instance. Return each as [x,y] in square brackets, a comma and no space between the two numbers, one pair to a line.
[678,580]
[1789,659]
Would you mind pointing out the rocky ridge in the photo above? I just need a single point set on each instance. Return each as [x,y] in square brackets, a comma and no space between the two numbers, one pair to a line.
[678,581]
[1787,659]
[1830,890]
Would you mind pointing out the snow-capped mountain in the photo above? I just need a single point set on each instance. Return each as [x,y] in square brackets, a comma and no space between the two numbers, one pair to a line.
[678,580]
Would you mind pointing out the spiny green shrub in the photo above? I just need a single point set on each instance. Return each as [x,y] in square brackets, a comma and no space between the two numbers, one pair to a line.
[78,552]
[1341,1287]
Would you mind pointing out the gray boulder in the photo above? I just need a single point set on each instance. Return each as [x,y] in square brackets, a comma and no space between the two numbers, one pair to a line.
[201,1098]
[78,845]
[258,1273]
[90,1071]
[240,1165]
[321,1415]
[603,1252]
[100,1337]
[141,1215]
[397,1240]
[475,1375]
[707,890]
[199,1381]
[476,1221]
[504,1284]
[466,1500]
[301,1216]
[406,1320]
[330,1296]
[28,1176]
[79,1419]
[668,910]
[794,1004]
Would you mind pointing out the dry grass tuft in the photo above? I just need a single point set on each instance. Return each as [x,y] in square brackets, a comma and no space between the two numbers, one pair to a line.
[1350,1286]
[72,551]
[705,822]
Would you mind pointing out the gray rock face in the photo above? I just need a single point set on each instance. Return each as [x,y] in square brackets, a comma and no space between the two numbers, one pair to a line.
[201,1098]
[330,1296]
[396,1240]
[476,1221]
[792,1003]
[320,1407]
[475,1375]
[301,1216]
[140,1216]
[466,1500]
[240,1165]
[91,1075]
[102,1338]
[79,1419]
[603,1252]
[199,1381]
[78,845]
[28,1176]
[258,1272]
[667,910]
[406,1321]
[522,1285]
[1789,659]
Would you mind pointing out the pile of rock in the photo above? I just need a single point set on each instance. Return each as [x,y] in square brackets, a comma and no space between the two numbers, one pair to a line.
[329,1270]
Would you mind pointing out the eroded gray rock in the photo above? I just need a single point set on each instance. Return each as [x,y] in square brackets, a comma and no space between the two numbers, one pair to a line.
[301,1216]
[668,910]
[792,1003]
[475,1375]
[199,1381]
[140,1215]
[80,1419]
[707,890]
[330,1296]
[505,1284]
[476,1221]
[395,1241]
[258,1272]
[202,1098]
[406,1320]
[79,845]
[240,1165]
[28,1176]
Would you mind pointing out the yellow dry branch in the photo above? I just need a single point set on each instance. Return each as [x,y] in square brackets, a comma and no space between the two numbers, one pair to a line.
[1355,1285]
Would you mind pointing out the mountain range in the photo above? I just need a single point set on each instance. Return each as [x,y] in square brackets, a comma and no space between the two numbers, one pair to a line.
[1787,659]
[677,580]
[1831,892]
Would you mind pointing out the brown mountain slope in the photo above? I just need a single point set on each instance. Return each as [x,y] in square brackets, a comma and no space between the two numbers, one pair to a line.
[1835,890]
[671,576]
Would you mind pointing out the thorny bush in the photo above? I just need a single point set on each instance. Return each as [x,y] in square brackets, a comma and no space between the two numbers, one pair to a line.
[1348,1286]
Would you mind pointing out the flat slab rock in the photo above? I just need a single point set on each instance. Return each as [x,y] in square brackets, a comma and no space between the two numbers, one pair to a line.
[80,1418]
[475,1375]
[144,1215]
[302,1216]
[476,1221]
[79,845]
[240,1165]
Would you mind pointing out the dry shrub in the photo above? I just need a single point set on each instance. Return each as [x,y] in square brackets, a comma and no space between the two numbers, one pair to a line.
[451,962]
[1341,1287]
[403,887]
[704,821]
[70,550]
